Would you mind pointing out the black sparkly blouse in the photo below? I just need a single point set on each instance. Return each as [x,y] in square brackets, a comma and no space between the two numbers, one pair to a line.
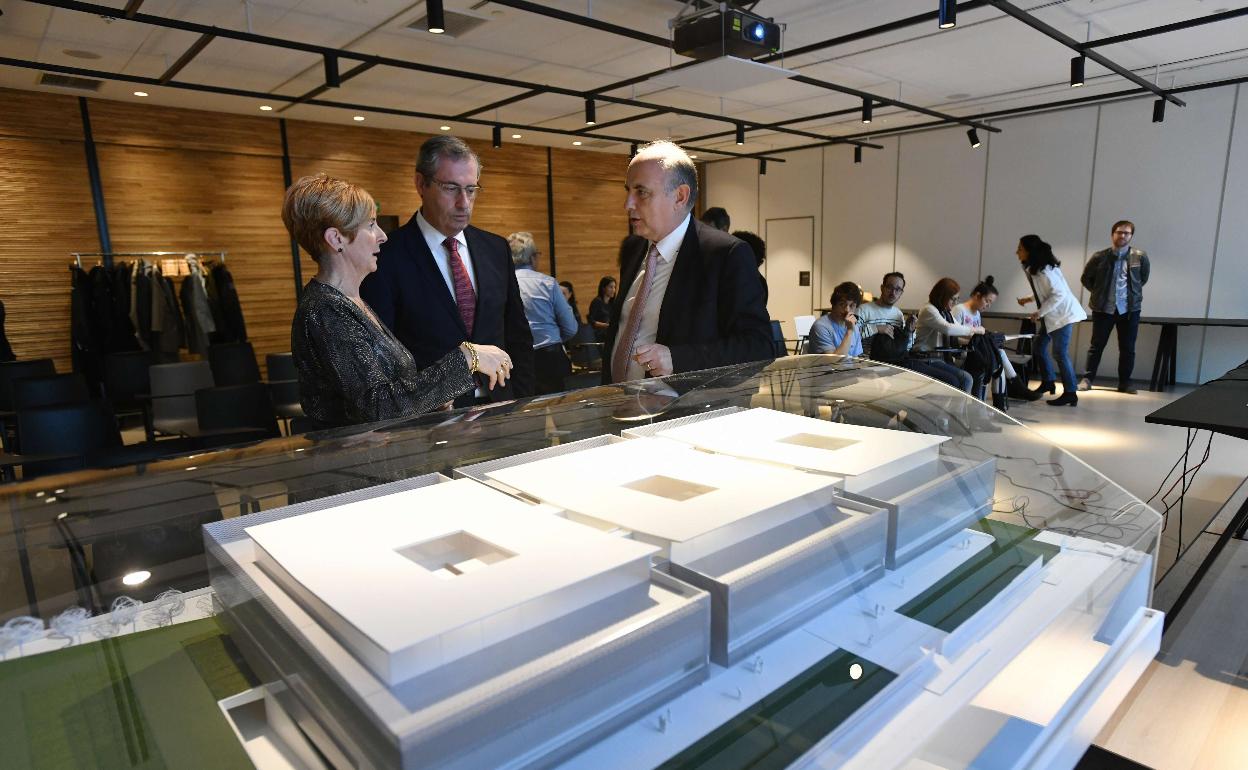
[352,370]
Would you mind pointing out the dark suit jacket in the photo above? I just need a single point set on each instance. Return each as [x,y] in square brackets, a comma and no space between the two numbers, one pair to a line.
[410,296]
[715,310]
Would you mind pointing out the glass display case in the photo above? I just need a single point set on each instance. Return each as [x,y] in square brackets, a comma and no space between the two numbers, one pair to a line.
[812,562]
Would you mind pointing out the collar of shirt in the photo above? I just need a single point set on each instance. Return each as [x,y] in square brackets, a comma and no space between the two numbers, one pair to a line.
[669,245]
[1120,253]
[435,238]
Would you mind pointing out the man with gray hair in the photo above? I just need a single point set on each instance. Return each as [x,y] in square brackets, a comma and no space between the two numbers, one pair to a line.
[440,281]
[692,297]
[550,316]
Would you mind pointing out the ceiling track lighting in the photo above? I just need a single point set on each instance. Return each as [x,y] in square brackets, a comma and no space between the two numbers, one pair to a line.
[434,18]
[591,116]
[857,153]
[1076,71]
[740,133]
[498,137]
[866,109]
[973,136]
[332,78]
[1159,110]
[762,166]
[948,14]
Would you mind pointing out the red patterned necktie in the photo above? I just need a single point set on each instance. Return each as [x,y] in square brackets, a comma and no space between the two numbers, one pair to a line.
[465,297]
[624,345]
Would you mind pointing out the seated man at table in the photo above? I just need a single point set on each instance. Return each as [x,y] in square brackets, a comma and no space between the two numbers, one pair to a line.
[837,330]
[888,336]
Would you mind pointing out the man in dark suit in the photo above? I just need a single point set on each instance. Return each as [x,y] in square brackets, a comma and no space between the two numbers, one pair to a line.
[441,281]
[690,295]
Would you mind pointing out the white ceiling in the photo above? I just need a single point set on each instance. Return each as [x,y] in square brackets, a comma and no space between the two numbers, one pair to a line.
[988,62]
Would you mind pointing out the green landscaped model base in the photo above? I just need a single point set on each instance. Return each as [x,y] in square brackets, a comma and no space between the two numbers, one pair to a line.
[963,592]
[143,700]
[786,724]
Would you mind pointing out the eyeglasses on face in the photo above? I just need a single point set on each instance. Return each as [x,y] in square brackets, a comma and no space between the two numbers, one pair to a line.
[1123,232]
[454,190]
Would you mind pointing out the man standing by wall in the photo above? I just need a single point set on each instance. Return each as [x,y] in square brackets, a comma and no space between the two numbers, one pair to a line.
[441,281]
[550,316]
[1116,278]
[691,295]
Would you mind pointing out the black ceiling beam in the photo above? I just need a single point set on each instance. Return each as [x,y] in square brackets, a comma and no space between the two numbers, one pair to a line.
[315,92]
[263,96]
[1164,28]
[1049,31]
[185,58]
[132,8]
[892,102]
[584,21]
[327,51]
[805,119]
[500,103]
[1130,93]
[622,121]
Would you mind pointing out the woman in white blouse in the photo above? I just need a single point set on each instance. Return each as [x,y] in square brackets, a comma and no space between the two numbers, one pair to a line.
[1058,312]
[936,327]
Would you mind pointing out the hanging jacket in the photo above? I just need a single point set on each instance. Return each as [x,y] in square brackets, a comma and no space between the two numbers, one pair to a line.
[6,352]
[232,327]
[196,311]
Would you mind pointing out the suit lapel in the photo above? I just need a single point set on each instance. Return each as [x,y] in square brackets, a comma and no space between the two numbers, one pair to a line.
[680,287]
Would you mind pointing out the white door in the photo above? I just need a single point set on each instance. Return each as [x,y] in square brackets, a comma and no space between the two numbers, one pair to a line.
[790,269]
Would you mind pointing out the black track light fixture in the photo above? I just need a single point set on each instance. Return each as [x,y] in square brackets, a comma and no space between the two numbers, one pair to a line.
[762,166]
[740,133]
[591,116]
[1076,71]
[948,14]
[973,136]
[498,137]
[332,78]
[1159,110]
[866,109]
[857,153]
[434,18]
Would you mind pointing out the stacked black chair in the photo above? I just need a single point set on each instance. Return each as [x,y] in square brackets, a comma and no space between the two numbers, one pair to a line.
[128,385]
[245,410]
[284,386]
[49,390]
[72,436]
[233,363]
[9,372]
[173,396]
[779,348]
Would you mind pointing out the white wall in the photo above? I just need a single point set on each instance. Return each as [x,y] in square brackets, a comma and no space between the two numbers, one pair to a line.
[929,205]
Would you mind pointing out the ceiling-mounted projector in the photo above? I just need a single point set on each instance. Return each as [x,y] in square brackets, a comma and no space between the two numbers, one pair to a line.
[724,30]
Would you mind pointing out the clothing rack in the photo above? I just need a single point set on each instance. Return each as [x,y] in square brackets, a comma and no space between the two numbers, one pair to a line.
[108,255]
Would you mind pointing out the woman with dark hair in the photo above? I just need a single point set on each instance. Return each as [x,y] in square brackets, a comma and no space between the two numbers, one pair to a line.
[1057,312]
[600,308]
[837,330]
[969,314]
[936,328]
[569,293]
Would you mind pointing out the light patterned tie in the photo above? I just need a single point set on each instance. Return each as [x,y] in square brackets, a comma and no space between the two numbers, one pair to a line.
[624,345]
[465,297]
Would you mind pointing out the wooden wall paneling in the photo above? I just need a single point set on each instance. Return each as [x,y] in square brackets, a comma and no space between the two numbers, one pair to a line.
[143,125]
[45,205]
[590,220]
[186,200]
[38,115]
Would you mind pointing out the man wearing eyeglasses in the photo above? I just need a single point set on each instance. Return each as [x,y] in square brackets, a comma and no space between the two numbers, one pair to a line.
[440,281]
[1116,278]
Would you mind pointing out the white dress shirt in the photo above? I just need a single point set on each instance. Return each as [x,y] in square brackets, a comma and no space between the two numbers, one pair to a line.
[442,257]
[669,249]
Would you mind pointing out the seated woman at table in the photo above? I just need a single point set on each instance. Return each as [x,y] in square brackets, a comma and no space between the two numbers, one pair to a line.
[600,308]
[936,329]
[351,368]
[968,314]
[1058,310]
[837,330]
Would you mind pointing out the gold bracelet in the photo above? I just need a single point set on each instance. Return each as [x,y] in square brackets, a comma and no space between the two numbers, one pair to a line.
[474,366]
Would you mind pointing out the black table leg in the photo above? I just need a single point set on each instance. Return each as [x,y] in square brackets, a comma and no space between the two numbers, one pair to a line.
[1164,368]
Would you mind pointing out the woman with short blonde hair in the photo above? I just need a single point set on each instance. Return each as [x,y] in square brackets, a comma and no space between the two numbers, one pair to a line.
[351,368]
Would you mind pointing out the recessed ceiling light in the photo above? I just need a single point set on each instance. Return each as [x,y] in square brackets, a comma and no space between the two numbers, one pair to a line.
[78,53]
[357,118]
[515,136]
[265,108]
[62,515]
[693,157]
[855,671]
[136,577]
[140,93]
[445,128]
[577,143]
